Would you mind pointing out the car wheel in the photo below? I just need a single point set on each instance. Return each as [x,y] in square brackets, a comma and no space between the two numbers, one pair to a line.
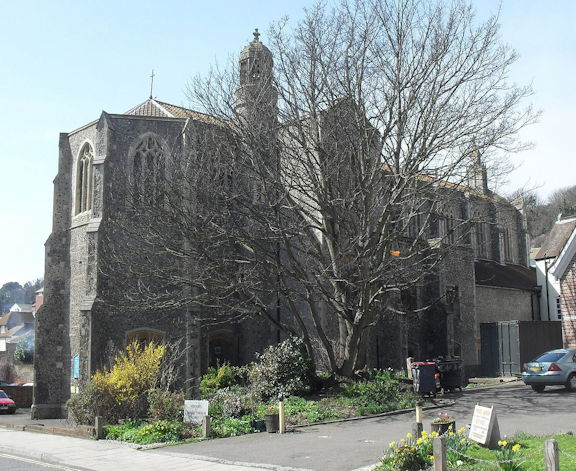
[538,388]
[571,382]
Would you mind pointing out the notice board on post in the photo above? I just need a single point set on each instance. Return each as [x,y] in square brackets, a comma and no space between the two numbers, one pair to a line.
[195,411]
[484,428]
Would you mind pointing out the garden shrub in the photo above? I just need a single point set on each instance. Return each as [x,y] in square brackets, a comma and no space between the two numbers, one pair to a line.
[232,402]
[24,352]
[166,405]
[84,406]
[282,369]
[121,391]
[217,378]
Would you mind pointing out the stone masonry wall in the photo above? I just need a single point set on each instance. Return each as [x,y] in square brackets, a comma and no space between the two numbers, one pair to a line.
[51,373]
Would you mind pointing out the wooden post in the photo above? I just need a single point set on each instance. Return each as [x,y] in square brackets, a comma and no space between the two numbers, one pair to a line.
[409,361]
[551,455]
[281,417]
[98,428]
[439,449]
[206,429]
[417,430]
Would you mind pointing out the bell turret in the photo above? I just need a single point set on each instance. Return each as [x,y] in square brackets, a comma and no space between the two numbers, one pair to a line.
[256,95]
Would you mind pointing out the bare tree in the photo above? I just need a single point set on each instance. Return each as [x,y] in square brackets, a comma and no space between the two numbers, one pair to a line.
[337,198]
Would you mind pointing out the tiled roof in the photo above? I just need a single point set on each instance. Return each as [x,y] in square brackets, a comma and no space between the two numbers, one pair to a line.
[160,109]
[13,331]
[490,273]
[556,238]
[25,317]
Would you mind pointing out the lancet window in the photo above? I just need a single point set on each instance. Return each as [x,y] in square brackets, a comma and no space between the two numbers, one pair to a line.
[84,180]
[148,170]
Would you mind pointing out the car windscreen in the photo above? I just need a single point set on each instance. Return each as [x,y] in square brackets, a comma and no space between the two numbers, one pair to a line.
[3,395]
[550,357]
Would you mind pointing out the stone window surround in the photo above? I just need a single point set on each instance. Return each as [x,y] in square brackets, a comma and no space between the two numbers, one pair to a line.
[83,179]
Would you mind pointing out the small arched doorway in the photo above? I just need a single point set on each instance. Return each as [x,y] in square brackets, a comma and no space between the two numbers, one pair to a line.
[222,348]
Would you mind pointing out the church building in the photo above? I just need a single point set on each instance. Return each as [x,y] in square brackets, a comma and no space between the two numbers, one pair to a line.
[76,326]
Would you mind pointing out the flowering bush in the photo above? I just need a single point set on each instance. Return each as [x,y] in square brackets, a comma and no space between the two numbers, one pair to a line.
[415,453]
[282,369]
[121,391]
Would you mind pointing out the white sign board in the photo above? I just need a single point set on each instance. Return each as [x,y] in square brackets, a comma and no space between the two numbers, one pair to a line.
[195,411]
[484,428]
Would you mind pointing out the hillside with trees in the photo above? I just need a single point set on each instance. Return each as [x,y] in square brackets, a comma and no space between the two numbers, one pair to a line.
[541,214]
[13,292]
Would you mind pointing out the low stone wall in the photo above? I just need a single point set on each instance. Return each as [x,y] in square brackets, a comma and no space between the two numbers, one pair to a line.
[21,395]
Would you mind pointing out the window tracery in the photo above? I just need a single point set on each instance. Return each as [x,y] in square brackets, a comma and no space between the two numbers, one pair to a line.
[84,180]
[148,169]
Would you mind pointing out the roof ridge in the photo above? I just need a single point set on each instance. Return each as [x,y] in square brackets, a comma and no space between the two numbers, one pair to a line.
[164,110]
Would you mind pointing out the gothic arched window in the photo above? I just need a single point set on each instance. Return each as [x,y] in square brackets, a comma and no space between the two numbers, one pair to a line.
[84,180]
[148,170]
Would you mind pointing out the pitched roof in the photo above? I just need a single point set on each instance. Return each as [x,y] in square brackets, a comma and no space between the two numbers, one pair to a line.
[566,257]
[489,273]
[556,238]
[26,317]
[11,332]
[20,307]
[160,109]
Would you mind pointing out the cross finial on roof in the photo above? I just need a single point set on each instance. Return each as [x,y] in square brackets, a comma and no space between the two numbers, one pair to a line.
[151,83]
[256,35]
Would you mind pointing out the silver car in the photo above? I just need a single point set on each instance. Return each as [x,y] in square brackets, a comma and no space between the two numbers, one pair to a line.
[556,367]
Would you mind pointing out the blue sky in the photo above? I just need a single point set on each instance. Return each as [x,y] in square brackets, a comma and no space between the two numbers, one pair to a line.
[63,62]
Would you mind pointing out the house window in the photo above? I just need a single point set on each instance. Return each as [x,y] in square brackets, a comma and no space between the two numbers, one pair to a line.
[559,307]
[84,180]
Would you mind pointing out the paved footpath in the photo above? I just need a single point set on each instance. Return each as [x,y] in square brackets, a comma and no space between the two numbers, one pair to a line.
[103,455]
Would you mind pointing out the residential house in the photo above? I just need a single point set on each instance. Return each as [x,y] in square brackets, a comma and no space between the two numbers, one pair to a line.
[550,294]
[563,269]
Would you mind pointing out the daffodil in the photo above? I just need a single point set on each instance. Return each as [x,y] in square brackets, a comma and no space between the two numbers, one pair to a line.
[408,435]
[391,444]
[419,441]
[424,434]
[462,440]
[461,430]
[451,434]
[516,447]
[434,434]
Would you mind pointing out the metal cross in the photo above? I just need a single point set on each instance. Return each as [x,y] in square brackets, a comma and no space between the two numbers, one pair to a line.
[151,83]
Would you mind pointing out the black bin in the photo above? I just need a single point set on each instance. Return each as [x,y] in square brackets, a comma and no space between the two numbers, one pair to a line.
[451,373]
[424,377]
